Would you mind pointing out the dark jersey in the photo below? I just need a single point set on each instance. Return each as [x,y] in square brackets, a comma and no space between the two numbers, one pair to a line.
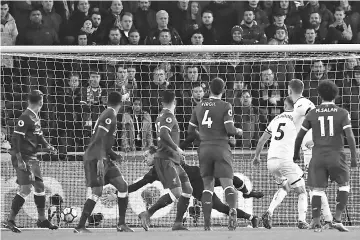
[28,126]
[328,122]
[106,122]
[167,120]
[210,116]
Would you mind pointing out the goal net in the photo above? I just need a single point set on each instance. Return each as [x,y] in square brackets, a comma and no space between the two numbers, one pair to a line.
[75,82]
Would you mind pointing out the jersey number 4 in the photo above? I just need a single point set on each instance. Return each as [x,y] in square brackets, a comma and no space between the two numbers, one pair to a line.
[207,120]
[330,120]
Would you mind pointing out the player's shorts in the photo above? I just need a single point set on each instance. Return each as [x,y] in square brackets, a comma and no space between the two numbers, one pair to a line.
[328,165]
[24,176]
[215,161]
[285,169]
[171,175]
[92,180]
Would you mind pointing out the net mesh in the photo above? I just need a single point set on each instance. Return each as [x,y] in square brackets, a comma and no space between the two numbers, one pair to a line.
[69,114]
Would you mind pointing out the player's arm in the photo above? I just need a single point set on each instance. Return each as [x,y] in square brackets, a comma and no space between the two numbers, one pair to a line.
[45,143]
[18,137]
[229,122]
[99,139]
[350,139]
[165,129]
[150,177]
[114,156]
[306,126]
[259,147]
[191,137]
[193,125]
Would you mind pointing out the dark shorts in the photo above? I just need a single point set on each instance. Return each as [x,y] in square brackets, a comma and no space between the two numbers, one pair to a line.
[171,175]
[324,166]
[24,177]
[92,180]
[215,161]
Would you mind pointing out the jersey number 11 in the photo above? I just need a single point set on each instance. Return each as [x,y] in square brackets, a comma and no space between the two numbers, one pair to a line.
[330,120]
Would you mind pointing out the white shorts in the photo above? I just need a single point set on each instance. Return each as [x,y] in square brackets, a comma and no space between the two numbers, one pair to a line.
[285,169]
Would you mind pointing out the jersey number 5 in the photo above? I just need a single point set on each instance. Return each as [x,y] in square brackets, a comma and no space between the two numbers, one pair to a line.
[207,120]
[322,125]
[279,130]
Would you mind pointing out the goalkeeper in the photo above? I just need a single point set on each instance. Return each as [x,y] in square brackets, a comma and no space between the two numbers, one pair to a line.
[193,173]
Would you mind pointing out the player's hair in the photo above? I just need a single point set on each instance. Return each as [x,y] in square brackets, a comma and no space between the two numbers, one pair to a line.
[152,149]
[207,11]
[96,12]
[80,33]
[297,86]
[5,2]
[217,86]
[289,101]
[165,31]
[35,10]
[168,97]
[197,31]
[114,98]
[35,96]
[339,9]
[310,28]
[115,29]
[195,85]
[327,90]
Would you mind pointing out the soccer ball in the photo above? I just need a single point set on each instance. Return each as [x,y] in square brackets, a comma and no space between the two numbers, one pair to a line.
[68,215]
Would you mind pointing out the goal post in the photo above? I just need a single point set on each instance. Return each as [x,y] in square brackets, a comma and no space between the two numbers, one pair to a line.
[253,75]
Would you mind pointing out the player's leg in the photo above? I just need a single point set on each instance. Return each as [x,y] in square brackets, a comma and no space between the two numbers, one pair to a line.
[273,165]
[96,185]
[318,182]
[219,206]
[184,199]
[117,180]
[206,164]
[240,185]
[340,173]
[224,171]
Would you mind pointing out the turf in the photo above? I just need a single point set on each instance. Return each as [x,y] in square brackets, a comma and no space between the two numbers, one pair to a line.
[193,234]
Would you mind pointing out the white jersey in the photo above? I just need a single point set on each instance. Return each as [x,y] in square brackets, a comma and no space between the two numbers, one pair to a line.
[301,108]
[283,134]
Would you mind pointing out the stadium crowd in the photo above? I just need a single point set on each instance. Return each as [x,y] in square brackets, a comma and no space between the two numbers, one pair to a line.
[75,89]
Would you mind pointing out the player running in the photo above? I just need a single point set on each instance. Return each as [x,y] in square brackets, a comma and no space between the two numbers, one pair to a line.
[198,187]
[25,140]
[214,119]
[302,106]
[99,168]
[288,175]
[328,122]
[167,164]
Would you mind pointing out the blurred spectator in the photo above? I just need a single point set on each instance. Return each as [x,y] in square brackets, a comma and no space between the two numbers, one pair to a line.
[82,38]
[36,32]
[98,35]
[113,19]
[123,86]
[260,16]
[293,19]
[50,17]
[136,129]
[340,31]
[267,6]
[279,22]
[76,21]
[9,30]
[69,114]
[114,36]
[236,34]
[310,36]
[88,27]
[314,6]
[225,17]
[193,20]
[192,77]
[152,94]
[268,95]
[20,10]
[145,19]
[9,33]
[246,118]
[353,17]
[318,72]
[321,31]
[134,37]
[165,37]
[179,18]
[280,37]
[197,38]
[207,29]
[253,33]
[127,24]
[162,19]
